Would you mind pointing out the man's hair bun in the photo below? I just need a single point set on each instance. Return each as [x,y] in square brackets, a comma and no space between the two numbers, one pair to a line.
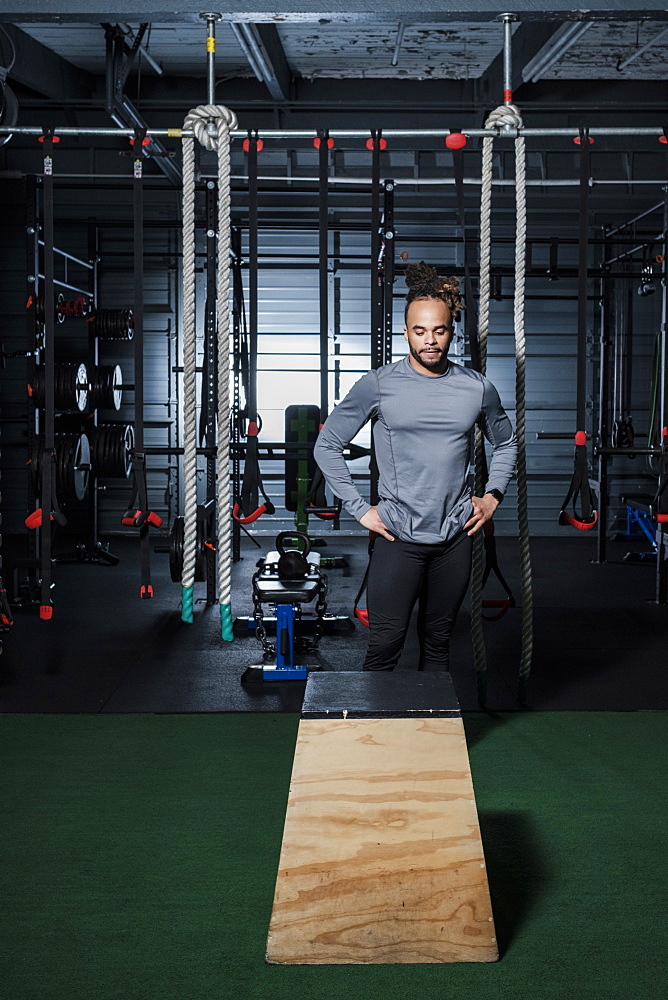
[424,282]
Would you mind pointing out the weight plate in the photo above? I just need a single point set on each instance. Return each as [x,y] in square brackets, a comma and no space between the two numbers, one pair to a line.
[81,388]
[116,391]
[176,550]
[80,465]
[176,541]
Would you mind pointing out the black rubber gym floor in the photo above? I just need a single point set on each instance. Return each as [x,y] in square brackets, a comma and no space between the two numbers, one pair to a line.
[600,644]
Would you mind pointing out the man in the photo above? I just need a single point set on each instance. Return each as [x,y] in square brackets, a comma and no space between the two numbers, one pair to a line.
[425,408]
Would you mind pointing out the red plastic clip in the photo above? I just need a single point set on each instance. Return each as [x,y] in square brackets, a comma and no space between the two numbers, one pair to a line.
[54,138]
[146,141]
[259,145]
[146,591]
[382,143]
[330,142]
[580,437]
[46,612]
[35,519]
[456,140]
[253,430]
[362,615]
[662,518]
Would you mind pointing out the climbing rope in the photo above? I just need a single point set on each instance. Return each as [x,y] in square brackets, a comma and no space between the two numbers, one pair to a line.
[217,138]
[505,115]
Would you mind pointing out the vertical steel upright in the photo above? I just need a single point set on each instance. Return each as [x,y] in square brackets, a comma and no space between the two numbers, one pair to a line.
[92,362]
[235,432]
[323,275]
[48,465]
[388,269]
[210,381]
[377,317]
[661,588]
[603,430]
[33,342]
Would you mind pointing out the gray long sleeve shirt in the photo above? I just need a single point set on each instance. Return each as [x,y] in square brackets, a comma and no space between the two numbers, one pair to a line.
[423,440]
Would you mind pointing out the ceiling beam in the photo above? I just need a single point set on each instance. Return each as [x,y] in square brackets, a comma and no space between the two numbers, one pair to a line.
[340,11]
[44,71]
[263,49]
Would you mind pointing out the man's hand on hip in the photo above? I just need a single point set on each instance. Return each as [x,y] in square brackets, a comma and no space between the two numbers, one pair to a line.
[483,511]
[372,521]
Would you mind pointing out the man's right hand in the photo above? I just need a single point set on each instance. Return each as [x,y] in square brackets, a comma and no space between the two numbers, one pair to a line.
[372,521]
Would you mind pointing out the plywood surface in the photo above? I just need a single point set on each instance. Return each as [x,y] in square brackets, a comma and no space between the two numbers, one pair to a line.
[381,858]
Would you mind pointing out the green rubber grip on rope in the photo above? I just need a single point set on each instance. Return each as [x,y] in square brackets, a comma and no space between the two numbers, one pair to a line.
[187,598]
[226,622]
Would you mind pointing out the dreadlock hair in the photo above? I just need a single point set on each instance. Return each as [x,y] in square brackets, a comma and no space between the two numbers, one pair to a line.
[424,282]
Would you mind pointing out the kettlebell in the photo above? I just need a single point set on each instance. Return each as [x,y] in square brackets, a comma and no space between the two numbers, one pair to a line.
[292,563]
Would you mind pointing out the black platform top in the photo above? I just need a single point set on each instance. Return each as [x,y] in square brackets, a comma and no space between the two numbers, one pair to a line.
[379,695]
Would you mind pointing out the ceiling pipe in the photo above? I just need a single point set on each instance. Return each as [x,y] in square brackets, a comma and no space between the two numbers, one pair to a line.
[562,40]
[400,38]
[643,49]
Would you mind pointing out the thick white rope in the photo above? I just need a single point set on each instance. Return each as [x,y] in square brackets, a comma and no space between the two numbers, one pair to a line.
[189,384]
[478,567]
[507,114]
[200,120]
[520,417]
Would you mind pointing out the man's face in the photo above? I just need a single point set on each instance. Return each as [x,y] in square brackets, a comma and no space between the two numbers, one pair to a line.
[428,332]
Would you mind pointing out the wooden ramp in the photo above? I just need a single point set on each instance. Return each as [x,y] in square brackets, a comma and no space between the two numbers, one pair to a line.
[382,859]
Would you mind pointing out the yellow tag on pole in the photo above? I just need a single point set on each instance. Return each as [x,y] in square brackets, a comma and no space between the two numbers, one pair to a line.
[175,133]
[211,45]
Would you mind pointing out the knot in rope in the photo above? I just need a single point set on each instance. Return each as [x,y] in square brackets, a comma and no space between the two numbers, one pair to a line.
[506,115]
[206,114]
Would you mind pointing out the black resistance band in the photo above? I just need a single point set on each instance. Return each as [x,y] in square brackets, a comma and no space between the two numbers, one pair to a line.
[579,490]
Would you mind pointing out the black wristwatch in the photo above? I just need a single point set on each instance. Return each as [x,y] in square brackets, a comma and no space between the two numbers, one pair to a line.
[497,494]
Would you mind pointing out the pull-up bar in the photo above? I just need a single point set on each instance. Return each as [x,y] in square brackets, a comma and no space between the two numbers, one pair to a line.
[508,132]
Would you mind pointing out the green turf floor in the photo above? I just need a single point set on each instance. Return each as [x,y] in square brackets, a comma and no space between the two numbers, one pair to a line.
[139,854]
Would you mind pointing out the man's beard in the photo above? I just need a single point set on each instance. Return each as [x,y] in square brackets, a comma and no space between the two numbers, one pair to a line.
[441,362]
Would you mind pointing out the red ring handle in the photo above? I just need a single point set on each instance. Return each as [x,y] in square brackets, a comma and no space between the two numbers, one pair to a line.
[565,518]
[251,517]
[502,606]
[362,615]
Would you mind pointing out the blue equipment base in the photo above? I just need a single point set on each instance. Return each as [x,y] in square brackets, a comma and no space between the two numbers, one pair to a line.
[271,672]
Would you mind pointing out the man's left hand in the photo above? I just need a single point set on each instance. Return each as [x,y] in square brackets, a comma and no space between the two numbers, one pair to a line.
[483,511]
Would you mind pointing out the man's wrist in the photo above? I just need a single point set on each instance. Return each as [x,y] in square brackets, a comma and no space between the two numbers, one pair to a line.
[497,494]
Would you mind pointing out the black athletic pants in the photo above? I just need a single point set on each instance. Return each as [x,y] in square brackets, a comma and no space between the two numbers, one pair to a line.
[399,573]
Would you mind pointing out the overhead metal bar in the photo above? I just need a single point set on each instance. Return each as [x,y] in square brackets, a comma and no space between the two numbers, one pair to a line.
[396,133]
